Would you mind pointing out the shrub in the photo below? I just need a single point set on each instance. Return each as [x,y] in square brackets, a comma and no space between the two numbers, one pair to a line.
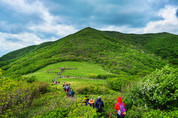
[17,96]
[105,76]
[31,79]
[157,90]
[84,112]
[91,89]
[91,75]
[142,112]
[117,83]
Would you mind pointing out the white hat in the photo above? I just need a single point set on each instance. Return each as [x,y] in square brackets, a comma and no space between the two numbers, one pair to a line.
[99,97]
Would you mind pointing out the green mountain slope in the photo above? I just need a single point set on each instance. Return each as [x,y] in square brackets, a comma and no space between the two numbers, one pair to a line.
[14,55]
[115,52]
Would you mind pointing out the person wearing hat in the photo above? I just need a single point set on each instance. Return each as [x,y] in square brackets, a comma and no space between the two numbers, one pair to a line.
[91,102]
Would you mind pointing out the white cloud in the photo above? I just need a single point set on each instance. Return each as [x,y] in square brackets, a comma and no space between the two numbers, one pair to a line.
[23,40]
[168,24]
[49,25]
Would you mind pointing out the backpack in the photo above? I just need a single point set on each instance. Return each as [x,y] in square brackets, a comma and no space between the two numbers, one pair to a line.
[122,109]
[99,106]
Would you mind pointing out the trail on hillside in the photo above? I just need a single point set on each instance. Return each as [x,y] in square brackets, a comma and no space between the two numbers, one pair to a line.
[62,70]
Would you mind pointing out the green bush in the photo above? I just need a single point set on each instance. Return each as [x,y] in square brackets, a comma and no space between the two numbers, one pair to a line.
[105,76]
[142,112]
[91,89]
[17,96]
[117,83]
[31,79]
[157,90]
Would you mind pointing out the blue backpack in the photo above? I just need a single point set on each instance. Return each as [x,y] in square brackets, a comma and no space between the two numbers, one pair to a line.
[122,109]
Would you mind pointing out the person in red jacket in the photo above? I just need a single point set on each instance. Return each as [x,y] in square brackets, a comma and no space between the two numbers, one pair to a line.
[119,100]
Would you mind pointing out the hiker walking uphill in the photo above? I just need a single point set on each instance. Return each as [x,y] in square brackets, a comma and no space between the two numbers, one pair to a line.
[120,108]
[91,102]
[99,105]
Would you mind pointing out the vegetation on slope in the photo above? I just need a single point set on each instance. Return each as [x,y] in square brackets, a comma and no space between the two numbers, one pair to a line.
[14,55]
[49,100]
[116,55]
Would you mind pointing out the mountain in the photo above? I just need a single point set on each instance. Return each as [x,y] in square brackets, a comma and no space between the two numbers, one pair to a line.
[14,55]
[132,54]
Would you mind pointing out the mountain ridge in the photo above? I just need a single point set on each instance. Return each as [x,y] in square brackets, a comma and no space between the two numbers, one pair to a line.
[115,51]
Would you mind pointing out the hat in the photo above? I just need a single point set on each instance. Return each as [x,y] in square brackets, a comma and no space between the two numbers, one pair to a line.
[99,97]
[91,101]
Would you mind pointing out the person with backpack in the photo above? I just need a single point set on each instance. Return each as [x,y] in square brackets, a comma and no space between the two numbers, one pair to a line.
[99,105]
[120,108]
[73,93]
[97,100]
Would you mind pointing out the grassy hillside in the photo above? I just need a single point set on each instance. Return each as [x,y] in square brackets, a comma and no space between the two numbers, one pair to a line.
[115,52]
[14,55]
[161,44]
[83,70]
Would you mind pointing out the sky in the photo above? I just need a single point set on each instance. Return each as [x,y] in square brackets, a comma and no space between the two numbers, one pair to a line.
[32,22]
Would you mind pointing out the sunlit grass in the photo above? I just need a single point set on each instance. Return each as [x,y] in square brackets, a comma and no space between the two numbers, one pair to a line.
[83,70]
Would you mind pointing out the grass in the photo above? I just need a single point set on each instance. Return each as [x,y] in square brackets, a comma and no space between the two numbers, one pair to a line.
[83,70]
[56,97]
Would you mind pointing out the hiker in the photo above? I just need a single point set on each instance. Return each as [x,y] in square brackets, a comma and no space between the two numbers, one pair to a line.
[85,100]
[52,80]
[64,86]
[97,99]
[59,82]
[99,105]
[56,82]
[120,108]
[70,92]
[73,93]
[91,102]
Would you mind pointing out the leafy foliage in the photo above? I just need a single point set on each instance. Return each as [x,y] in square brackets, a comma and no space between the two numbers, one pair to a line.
[157,90]
[115,52]
[17,96]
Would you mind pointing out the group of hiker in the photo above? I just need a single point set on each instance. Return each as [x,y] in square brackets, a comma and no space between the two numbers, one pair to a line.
[98,105]
[55,82]
[119,107]
[68,90]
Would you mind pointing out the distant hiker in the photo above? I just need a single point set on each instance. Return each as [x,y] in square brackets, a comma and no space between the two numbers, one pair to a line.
[73,93]
[99,105]
[70,92]
[91,102]
[120,108]
[56,82]
[52,80]
[64,86]
[59,82]
[58,73]
[85,100]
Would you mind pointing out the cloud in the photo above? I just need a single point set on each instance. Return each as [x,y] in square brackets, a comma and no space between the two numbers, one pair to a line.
[168,24]
[16,41]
